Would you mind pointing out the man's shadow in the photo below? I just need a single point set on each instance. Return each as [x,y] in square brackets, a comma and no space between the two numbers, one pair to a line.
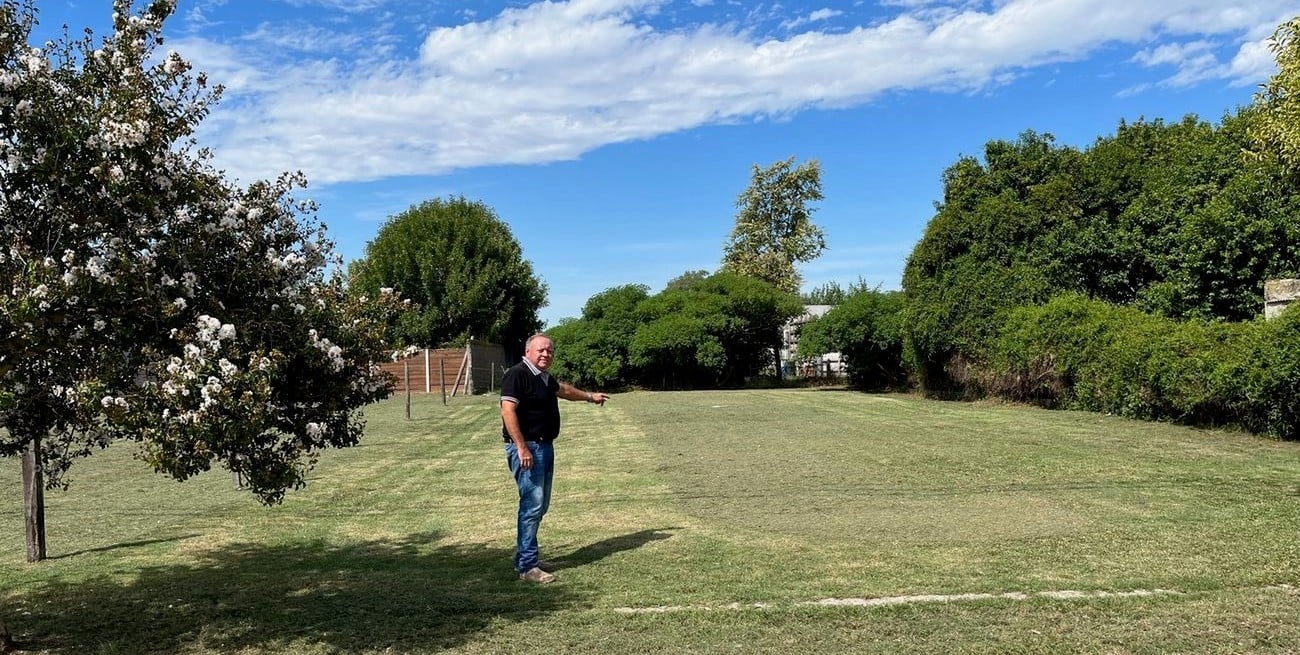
[606,547]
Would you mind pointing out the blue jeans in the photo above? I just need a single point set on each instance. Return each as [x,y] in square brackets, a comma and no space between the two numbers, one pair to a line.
[534,498]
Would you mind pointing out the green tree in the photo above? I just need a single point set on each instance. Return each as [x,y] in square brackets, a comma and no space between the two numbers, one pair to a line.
[971,265]
[149,300]
[774,228]
[1276,132]
[594,350]
[687,279]
[866,328]
[830,293]
[833,293]
[715,331]
[463,270]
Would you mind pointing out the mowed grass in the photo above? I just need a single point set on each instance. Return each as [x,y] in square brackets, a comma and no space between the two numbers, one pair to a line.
[693,522]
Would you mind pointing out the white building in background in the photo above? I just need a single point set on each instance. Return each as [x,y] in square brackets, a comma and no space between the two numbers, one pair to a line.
[828,365]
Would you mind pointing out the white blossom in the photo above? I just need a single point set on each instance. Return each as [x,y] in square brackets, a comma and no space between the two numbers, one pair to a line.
[227,367]
[174,63]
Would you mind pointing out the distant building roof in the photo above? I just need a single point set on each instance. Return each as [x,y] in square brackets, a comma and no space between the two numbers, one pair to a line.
[812,311]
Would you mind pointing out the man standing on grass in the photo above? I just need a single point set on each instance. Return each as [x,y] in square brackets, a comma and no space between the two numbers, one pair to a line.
[530,421]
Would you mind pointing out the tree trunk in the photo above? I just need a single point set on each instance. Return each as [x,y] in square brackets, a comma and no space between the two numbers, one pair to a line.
[34,500]
[776,355]
[7,644]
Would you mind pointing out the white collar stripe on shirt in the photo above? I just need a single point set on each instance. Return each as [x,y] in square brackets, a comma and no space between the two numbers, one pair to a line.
[546,377]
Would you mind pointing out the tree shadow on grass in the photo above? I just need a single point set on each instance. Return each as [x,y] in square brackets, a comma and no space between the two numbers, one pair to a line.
[404,595]
[128,544]
[407,594]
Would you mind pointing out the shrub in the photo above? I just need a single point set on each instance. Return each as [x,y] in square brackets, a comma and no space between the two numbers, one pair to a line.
[593,351]
[866,329]
[1086,354]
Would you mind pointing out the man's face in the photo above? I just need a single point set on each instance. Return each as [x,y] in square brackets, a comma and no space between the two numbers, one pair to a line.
[539,352]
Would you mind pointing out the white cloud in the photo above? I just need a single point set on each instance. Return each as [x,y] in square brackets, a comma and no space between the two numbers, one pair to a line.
[552,80]
[1173,53]
[350,6]
[305,39]
[816,16]
[1198,61]
[1252,64]
[197,16]
[1195,61]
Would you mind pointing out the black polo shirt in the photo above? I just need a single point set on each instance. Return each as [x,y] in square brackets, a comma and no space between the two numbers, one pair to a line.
[536,402]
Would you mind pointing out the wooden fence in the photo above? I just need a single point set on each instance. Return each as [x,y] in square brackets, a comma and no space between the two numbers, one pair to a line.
[476,368]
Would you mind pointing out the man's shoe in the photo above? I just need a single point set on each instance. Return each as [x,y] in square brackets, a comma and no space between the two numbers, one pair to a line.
[536,575]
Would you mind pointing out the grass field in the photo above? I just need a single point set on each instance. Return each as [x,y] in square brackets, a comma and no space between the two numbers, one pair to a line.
[702,522]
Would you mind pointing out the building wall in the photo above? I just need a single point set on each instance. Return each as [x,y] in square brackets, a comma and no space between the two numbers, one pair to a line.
[828,365]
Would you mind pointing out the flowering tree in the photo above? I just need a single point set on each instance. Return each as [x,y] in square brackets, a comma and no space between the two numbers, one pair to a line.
[146,298]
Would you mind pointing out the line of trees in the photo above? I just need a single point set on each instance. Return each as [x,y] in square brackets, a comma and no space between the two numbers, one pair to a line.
[1173,226]
[707,330]
[699,332]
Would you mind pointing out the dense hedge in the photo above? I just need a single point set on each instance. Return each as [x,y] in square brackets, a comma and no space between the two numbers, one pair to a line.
[1086,354]
[1168,218]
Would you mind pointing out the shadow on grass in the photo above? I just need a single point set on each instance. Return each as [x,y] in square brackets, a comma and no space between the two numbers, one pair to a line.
[605,548]
[404,595]
[128,544]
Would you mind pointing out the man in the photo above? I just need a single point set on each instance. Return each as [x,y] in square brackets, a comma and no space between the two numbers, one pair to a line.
[530,421]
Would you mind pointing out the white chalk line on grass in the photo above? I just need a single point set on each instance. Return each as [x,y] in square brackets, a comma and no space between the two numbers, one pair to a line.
[885,601]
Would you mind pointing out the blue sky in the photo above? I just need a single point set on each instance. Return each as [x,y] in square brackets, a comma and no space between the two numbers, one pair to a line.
[613,136]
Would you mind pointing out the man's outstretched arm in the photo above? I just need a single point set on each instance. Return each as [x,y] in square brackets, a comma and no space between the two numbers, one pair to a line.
[570,392]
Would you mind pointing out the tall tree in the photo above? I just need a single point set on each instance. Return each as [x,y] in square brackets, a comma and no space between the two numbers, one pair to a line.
[774,228]
[147,299]
[1276,131]
[461,267]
